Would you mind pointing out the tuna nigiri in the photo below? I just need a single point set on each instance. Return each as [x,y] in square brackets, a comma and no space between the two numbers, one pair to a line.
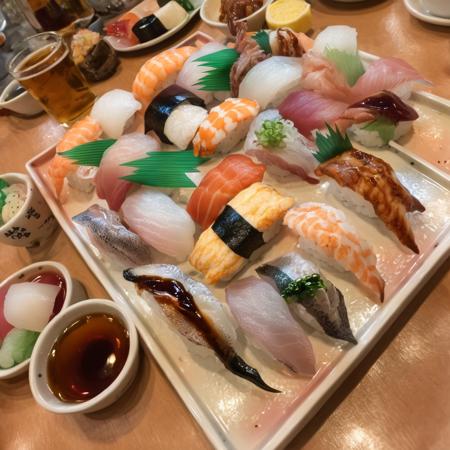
[129,147]
[220,185]
[158,72]
[326,234]
[225,125]
[85,130]
[265,317]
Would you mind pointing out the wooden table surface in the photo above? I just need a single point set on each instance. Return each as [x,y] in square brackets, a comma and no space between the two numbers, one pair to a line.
[397,398]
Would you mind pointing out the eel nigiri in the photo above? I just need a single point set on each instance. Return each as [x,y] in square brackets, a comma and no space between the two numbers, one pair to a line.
[276,143]
[158,72]
[248,221]
[220,185]
[309,294]
[85,130]
[285,42]
[325,233]
[112,239]
[265,318]
[195,313]
[225,125]
[160,222]
[129,147]
[379,192]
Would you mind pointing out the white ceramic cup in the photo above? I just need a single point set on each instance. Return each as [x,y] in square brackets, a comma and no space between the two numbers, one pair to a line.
[33,223]
[39,359]
[23,103]
[74,293]
[440,8]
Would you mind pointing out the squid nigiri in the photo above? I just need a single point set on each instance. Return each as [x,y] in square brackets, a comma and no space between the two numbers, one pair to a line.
[85,130]
[225,125]
[158,72]
[220,185]
[265,318]
[326,234]
[248,221]
[195,313]
[378,191]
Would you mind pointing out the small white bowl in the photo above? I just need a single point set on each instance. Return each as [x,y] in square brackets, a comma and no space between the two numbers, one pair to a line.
[39,359]
[74,293]
[210,12]
[23,103]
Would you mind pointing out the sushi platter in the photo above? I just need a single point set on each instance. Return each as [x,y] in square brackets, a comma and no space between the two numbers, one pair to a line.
[233,412]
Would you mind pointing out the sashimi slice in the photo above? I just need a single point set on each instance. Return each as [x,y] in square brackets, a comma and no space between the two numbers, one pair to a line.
[129,147]
[265,317]
[220,185]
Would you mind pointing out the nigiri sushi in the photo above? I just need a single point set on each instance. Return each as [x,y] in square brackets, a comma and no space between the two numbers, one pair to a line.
[233,174]
[309,295]
[175,115]
[112,239]
[83,179]
[265,317]
[114,111]
[369,185]
[225,126]
[129,147]
[248,221]
[195,313]
[160,222]
[159,72]
[325,233]
[270,81]
[276,143]
[85,130]
[285,42]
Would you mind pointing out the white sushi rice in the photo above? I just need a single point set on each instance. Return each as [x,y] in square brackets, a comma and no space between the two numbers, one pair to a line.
[340,37]
[371,138]
[229,140]
[316,252]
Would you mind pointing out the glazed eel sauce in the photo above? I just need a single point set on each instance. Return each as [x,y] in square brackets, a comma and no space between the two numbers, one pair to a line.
[172,293]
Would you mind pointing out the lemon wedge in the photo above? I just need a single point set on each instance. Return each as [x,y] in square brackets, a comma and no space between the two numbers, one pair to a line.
[294,14]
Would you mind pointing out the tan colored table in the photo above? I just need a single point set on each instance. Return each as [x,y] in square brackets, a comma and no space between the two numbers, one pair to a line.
[396,399]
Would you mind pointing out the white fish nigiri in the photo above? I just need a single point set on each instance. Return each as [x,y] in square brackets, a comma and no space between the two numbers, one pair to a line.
[129,147]
[271,80]
[339,37]
[114,111]
[160,222]
[29,306]
[265,317]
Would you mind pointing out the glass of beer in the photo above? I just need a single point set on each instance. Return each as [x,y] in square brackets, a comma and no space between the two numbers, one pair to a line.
[43,65]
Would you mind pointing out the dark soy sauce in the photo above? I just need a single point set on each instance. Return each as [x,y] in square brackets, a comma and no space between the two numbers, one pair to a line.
[87,357]
[13,93]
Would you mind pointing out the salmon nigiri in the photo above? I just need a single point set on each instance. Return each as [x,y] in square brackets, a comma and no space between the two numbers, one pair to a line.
[325,232]
[220,185]
[85,130]
[159,71]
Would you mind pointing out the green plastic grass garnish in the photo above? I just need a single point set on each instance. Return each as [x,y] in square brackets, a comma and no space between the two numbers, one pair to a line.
[271,134]
[89,154]
[262,38]
[384,127]
[348,63]
[3,184]
[303,288]
[165,169]
[331,144]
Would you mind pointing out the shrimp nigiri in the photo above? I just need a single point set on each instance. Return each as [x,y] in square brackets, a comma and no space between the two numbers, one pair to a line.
[85,130]
[159,71]
[325,232]
[225,125]
[220,185]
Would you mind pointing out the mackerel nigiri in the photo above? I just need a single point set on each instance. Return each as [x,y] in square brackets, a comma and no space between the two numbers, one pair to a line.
[265,318]
[309,294]
[195,313]
[220,185]
[326,234]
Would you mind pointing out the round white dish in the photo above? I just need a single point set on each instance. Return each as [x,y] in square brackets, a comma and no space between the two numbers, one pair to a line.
[416,9]
[23,103]
[38,366]
[74,293]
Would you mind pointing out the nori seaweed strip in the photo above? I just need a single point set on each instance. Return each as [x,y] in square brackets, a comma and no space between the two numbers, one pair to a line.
[240,236]
[163,105]
[148,28]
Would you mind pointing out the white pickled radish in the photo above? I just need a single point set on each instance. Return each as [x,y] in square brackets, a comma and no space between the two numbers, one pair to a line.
[28,306]
[183,123]
[114,111]
[171,15]
[340,37]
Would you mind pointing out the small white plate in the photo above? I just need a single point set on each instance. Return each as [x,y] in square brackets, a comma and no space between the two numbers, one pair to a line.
[415,8]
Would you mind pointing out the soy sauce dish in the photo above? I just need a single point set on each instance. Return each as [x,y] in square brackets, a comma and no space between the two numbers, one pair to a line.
[85,359]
